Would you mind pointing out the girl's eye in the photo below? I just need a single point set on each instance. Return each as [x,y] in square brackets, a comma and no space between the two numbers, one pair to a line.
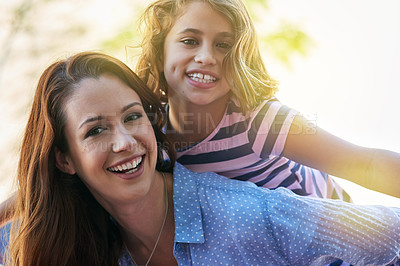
[189,42]
[132,117]
[94,131]
[224,45]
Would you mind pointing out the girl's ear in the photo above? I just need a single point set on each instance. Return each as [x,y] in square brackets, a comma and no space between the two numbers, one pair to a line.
[64,162]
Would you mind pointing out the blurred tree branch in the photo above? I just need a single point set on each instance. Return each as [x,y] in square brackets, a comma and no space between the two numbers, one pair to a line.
[16,24]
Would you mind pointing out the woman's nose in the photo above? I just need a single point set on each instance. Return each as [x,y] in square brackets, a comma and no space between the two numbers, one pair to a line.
[123,140]
[205,56]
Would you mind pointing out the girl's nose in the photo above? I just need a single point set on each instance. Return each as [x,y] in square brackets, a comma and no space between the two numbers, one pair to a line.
[205,56]
[123,141]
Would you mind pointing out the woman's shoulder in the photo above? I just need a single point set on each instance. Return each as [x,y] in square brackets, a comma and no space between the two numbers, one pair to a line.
[211,182]
[5,230]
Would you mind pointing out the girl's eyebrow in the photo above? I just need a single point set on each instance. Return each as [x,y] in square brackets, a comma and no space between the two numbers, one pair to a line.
[192,30]
[197,31]
[98,118]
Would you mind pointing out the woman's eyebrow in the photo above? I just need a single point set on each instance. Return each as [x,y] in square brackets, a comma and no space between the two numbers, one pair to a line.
[130,106]
[100,117]
[92,119]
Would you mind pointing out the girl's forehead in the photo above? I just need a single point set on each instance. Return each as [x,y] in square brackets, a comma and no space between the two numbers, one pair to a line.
[201,13]
[203,6]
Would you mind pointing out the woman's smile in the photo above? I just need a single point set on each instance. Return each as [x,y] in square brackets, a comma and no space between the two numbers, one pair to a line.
[128,170]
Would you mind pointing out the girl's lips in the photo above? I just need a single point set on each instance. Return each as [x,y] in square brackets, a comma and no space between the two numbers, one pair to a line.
[200,83]
[204,78]
[201,73]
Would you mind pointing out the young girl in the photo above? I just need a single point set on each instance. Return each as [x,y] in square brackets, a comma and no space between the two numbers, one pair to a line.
[202,58]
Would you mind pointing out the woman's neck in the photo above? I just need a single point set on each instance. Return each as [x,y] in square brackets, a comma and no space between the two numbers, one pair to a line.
[140,220]
[144,225]
[189,123]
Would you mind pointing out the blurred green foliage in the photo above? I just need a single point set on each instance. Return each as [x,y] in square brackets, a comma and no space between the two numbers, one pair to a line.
[288,40]
[123,38]
[251,4]
[284,41]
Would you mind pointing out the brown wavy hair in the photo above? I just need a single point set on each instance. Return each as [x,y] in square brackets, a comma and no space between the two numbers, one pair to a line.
[251,81]
[59,221]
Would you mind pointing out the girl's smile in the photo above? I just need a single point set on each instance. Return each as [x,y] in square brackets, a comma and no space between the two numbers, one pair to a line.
[202,79]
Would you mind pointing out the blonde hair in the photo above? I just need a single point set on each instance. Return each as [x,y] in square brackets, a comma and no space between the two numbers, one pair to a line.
[251,81]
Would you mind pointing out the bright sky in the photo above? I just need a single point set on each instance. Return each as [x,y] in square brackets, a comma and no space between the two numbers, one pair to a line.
[349,81]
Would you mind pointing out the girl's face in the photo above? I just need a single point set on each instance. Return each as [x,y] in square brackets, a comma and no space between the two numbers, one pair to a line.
[112,146]
[194,50]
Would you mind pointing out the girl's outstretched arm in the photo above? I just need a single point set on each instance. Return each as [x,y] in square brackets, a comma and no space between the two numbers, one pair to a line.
[7,208]
[374,169]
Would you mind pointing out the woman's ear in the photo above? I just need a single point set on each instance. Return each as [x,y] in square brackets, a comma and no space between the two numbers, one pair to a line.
[64,162]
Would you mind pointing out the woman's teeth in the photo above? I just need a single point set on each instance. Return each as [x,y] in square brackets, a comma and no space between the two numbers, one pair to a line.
[199,77]
[127,168]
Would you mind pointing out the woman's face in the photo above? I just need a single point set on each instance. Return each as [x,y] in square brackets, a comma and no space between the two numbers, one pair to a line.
[112,146]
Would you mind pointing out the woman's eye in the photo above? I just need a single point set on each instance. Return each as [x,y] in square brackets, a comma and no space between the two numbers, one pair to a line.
[94,132]
[189,42]
[132,117]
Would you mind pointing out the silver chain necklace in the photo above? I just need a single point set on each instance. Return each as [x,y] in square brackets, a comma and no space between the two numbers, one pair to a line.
[162,226]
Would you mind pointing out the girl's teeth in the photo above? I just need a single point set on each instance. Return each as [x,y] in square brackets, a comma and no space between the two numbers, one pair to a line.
[199,77]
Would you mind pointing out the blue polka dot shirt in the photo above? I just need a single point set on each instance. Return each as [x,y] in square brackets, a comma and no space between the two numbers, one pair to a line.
[219,221]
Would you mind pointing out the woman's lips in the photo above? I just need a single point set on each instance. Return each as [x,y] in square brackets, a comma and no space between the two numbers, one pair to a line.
[134,168]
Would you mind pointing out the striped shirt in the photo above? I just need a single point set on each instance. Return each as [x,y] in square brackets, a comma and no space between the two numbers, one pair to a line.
[249,147]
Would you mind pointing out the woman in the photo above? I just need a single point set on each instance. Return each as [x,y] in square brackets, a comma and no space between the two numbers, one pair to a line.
[94,189]
[56,209]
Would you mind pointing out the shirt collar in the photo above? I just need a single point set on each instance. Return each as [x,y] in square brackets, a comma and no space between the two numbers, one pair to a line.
[187,210]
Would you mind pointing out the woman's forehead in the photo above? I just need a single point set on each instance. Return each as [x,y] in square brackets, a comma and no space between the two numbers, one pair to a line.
[106,94]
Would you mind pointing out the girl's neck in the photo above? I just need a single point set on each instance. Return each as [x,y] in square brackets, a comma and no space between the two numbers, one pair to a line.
[190,123]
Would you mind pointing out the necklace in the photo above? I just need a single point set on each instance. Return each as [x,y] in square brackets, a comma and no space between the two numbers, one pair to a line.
[162,226]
